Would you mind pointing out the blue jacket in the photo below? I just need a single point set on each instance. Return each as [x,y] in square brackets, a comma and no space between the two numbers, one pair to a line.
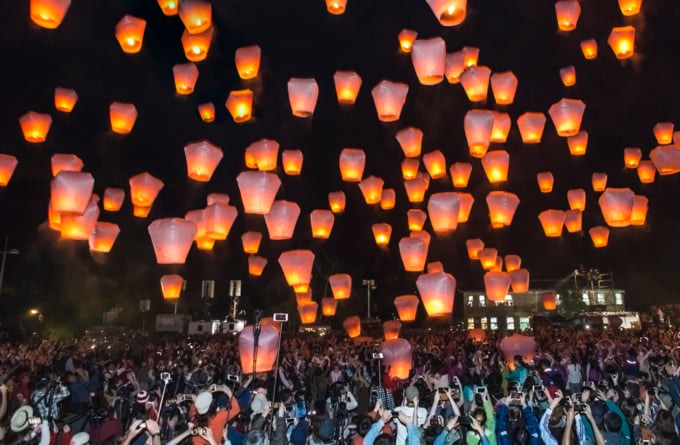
[502,425]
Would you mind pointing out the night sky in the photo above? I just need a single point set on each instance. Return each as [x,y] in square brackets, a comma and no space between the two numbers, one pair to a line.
[624,100]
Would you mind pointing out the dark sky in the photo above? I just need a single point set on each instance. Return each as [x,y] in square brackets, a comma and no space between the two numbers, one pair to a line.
[300,39]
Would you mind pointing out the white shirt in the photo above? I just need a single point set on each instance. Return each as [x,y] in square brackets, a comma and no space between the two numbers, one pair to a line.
[421,416]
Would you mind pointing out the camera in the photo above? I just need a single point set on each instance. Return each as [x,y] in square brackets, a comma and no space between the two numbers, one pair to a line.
[280,317]
[165,376]
[197,431]
[233,378]
[378,356]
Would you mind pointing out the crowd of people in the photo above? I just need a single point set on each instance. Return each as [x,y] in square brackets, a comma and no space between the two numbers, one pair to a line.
[619,387]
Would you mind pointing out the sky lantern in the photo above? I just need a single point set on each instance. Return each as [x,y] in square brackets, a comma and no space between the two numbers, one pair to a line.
[496,164]
[552,222]
[297,266]
[202,159]
[434,266]
[599,235]
[512,262]
[70,192]
[631,157]
[531,126]
[566,115]
[171,239]
[391,329]
[169,7]
[567,13]
[49,13]
[411,141]
[416,219]
[666,159]
[639,214]
[473,247]
[568,76]
[341,285]
[423,235]
[477,335]
[504,87]
[196,15]
[397,357]
[406,39]
[214,198]
[498,266]
[292,162]
[549,301]
[53,218]
[308,310]
[336,7]
[281,219]
[382,232]
[460,174]
[577,199]
[519,280]
[589,49]
[247,60]
[470,56]
[144,189]
[487,257]
[336,201]
[417,187]
[501,127]
[616,205]
[388,199]
[113,199]
[7,165]
[207,112]
[475,81]
[185,75]
[303,297]
[443,211]
[389,98]
[321,222]
[302,95]
[371,187]
[478,125]
[352,325]
[251,242]
[35,126]
[130,33]
[268,341]
[497,285]
[502,207]
[573,220]
[122,117]
[449,12]
[545,181]
[264,153]
[429,60]
[103,236]
[622,41]
[435,164]
[455,65]
[328,306]
[65,162]
[258,191]
[437,291]
[599,181]
[352,162]
[407,307]
[413,253]
[256,265]
[465,207]
[171,286]
[646,172]
[219,218]
[630,7]
[240,105]
[663,132]
[65,99]
[347,85]
[578,144]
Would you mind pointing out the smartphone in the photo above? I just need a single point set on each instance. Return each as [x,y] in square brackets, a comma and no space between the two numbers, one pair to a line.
[290,421]
[233,378]
[165,376]
[480,390]
[538,388]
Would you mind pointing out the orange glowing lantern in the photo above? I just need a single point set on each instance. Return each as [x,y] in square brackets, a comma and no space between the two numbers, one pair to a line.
[519,280]
[347,85]
[70,192]
[478,126]
[247,59]
[281,219]
[202,159]
[103,237]
[416,219]
[496,164]
[144,189]
[258,191]
[573,220]
[49,13]
[567,13]
[545,181]
[336,7]
[631,157]
[434,267]
[504,87]
[130,33]
[35,126]
[113,199]
[329,306]
[251,242]
[589,49]
[577,199]
[663,132]
[292,162]
[498,267]
[215,198]
[172,238]
[65,162]
[303,297]
[382,232]
[256,265]
[196,15]
[219,218]
[341,286]
[622,41]
[470,56]
[198,218]
[171,286]
[630,7]
[391,329]
[666,159]
[429,60]
[53,218]
[435,164]
[455,65]
[443,211]
[599,235]
[552,222]
[308,312]
[477,335]
[599,181]
[416,188]
[502,207]
[7,165]
[65,99]
[549,301]
[616,205]
[512,262]
[411,141]
[646,171]
[406,39]
[336,201]
[449,12]
[460,174]
[196,46]
[389,98]
[578,144]
[568,76]
[531,126]
[567,115]
[240,105]
[473,247]
[207,112]
[487,257]
[297,266]
[122,117]
[371,188]
[352,162]
[437,291]
[267,341]
[407,307]
[639,214]
[388,199]
[185,75]
[465,207]
[423,235]
[413,253]
[169,7]
[497,285]
[352,325]
[501,127]
[397,357]
[263,154]
[475,81]
[321,222]
[302,95]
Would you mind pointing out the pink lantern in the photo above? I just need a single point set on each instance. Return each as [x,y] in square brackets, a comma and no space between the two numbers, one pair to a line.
[7,165]
[65,162]
[413,253]
[144,189]
[371,188]
[443,211]
[578,144]
[435,164]
[663,132]
[321,222]
[240,105]
[416,188]
[292,162]
[411,141]
[501,127]
[496,164]
[406,39]
[281,219]
[171,286]
[264,154]
[567,115]
[352,162]
[437,291]
[103,237]
[337,201]
[258,191]
[196,15]
[504,87]
[416,219]
[267,347]
[397,357]
[475,81]
[256,265]
[531,126]
[329,306]
[171,239]
[76,226]
[487,257]
[382,232]
[307,312]
[247,60]
[616,205]
[185,75]
[219,219]
[460,174]
[35,126]
[221,198]
[477,335]
[297,266]
[302,95]
[391,329]
[347,85]
[639,214]
[429,60]
[567,13]
[122,117]
[130,33]
[70,192]
[434,267]
[478,125]
[389,98]
[465,207]
[65,99]
[666,159]
[196,46]
[352,326]
[520,345]
[455,65]
[573,220]
[545,181]
[407,307]
[599,181]
[449,12]
[512,262]
[552,222]
[502,207]
[599,235]
[568,76]
[631,157]
[577,199]
[113,199]
[474,246]
[497,285]
[519,280]
[49,14]
[202,159]
[341,285]
[251,242]
[388,199]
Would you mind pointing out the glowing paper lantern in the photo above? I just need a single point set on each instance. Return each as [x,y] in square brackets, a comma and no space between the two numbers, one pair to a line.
[663,132]
[308,312]
[281,219]
[474,246]
[382,232]
[487,257]
[352,325]
[169,7]
[599,235]
[502,207]
[388,199]
[65,162]
[477,335]
[171,239]
[416,188]
[240,105]
[437,291]
[49,13]
[196,15]
[518,344]
[341,285]
[397,357]
[321,222]
[65,99]
[352,162]
[545,181]
[577,199]
[144,189]
[371,188]
[328,306]
[7,165]
[207,112]
[336,7]
[435,164]
[202,159]
[429,60]
[413,253]
[552,222]
[573,220]
[567,13]
[666,159]
[391,329]
[504,87]
[434,267]
[519,280]
[455,65]
[630,7]
[496,164]
[70,192]
[185,75]
[646,172]
[215,198]
[122,117]
[512,262]
[256,265]
[113,199]
[443,211]
[449,12]
[631,157]
[416,219]
[258,191]
[171,286]
[589,49]
[336,201]
[247,59]
[297,266]
[219,218]
[578,144]
[267,348]
[389,98]
[407,307]
[599,181]
[103,237]
[35,126]
[423,235]
[622,41]
[549,301]
[251,242]
[53,218]
[198,218]
[639,214]
[616,205]
[411,141]
[478,126]
[531,126]
[498,267]
[196,46]
[347,85]
[263,154]
[567,115]
[465,207]
[406,39]
[460,174]
[302,95]
[292,162]
[470,56]
[130,33]
[501,127]
[475,81]
[568,76]
[497,285]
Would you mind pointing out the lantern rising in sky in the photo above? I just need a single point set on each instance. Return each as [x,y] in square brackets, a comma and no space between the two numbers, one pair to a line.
[622,41]
[49,13]
[449,12]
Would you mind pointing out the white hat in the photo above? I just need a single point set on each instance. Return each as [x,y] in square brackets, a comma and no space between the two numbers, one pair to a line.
[19,421]
[81,438]
[203,402]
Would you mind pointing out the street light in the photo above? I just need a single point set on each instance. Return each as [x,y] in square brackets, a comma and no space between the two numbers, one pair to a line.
[4,253]
[370,285]
[36,312]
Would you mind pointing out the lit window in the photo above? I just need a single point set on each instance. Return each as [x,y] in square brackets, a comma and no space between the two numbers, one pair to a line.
[586,298]
[494,323]
[508,300]
[619,298]
[482,301]
[483,323]
[510,323]
[523,323]
[470,300]
[470,323]
[600,298]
